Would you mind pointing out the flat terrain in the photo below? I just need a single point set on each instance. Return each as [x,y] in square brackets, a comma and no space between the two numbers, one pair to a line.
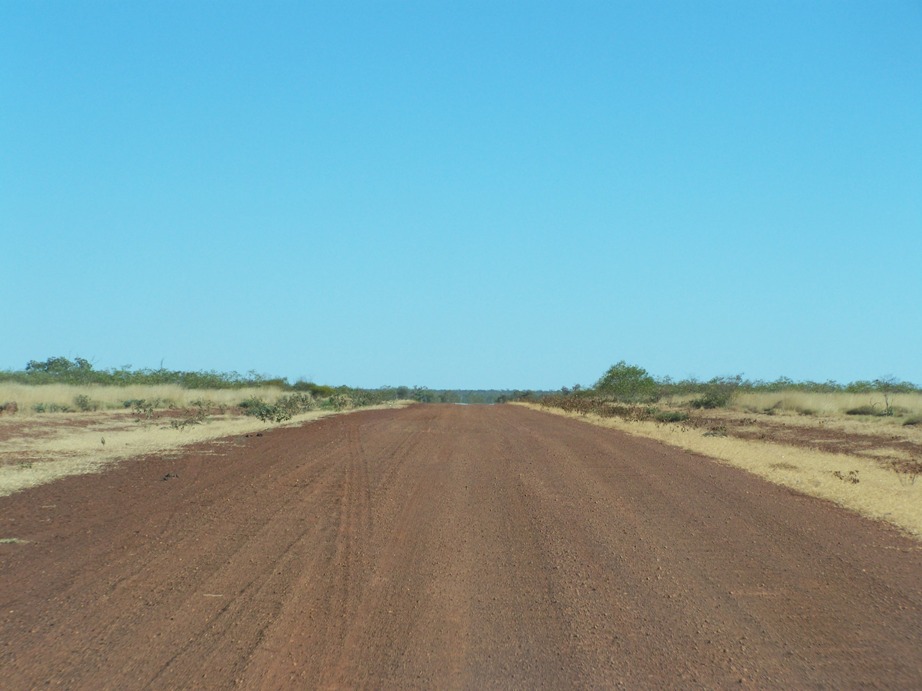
[448,546]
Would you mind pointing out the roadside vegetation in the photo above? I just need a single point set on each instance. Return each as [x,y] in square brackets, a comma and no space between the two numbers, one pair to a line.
[631,392]
[62,417]
[61,385]
[857,444]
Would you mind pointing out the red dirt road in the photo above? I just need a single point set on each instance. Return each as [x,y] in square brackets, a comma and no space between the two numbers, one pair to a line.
[449,547]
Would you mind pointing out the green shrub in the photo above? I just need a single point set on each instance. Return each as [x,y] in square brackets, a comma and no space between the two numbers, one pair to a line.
[670,416]
[628,383]
[257,407]
[315,390]
[51,408]
[283,409]
[717,393]
[609,410]
[85,404]
[142,407]
[863,410]
[341,401]
[710,399]
[250,403]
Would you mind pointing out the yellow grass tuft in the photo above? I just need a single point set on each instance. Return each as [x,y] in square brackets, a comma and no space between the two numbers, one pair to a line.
[824,403]
[62,395]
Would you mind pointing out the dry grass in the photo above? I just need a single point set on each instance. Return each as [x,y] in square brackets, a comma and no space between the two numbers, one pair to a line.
[802,402]
[876,426]
[44,448]
[880,493]
[63,395]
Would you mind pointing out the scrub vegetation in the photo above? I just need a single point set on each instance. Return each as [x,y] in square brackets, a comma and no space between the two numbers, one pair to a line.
[858,444]
[61,385]
[630,391]
[62,417]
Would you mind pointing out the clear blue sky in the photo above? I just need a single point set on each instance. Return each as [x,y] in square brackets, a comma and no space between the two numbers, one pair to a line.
[466,194]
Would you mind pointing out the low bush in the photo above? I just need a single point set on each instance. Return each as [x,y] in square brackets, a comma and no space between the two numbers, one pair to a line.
[51,408]
[283,409]
[191,416]
[670,416]
[143,407]
[628,383]
[257,407]
[341,401]
[612,410]
[85,404]
[864,410]
[710,400]
[717,393]
[605,408]
[315,390]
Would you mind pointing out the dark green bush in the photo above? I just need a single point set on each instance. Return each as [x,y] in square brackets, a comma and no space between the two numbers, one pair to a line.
[315,390]
[341,401]
[51,408]
[85,404]
[283,409]
[670,416]
[628,383]
[717,393]
[863,410]
[710,399]
[257,407]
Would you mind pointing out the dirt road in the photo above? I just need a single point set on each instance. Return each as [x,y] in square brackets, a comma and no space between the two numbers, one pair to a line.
[448,547]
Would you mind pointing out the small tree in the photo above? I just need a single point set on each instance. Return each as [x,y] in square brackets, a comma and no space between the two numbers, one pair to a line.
[628,383]
[888,386]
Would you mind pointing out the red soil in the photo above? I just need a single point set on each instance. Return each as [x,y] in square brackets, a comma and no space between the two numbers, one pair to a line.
[448,546]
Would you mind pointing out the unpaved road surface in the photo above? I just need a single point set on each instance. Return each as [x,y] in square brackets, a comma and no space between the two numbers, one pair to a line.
[448,547]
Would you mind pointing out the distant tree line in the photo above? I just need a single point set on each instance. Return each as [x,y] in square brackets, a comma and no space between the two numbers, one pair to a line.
[628,383]
[422,394]
[80,372]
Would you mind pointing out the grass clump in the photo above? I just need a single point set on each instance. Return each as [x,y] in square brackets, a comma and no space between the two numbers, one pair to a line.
[670,416]
[142,407]
[191,416]
[717,393]
[285,408]
[85,404]
[342,401]
[51,408]
[864,410]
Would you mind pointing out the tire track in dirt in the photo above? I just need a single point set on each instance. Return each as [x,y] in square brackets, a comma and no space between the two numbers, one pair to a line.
[449,547]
